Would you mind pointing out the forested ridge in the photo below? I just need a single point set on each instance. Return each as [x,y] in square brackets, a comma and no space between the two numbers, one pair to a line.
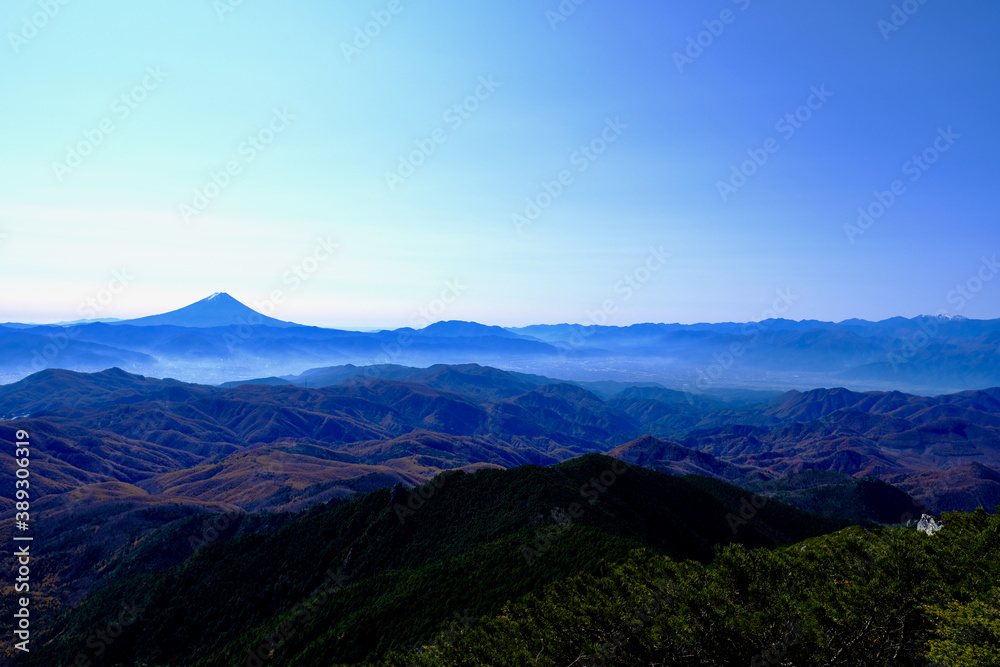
[590,562]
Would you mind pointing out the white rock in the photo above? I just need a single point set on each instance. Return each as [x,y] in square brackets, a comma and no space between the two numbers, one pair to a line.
[928,525]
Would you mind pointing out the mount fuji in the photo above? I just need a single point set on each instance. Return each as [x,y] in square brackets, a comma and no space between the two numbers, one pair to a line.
[218,310]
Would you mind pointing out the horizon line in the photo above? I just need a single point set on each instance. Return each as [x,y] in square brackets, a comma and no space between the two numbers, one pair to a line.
[125,321]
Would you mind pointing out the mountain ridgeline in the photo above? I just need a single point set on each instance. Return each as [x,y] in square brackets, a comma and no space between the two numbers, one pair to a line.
[218,339]
[591,560]
[406,559]
[349,514]
[283,446]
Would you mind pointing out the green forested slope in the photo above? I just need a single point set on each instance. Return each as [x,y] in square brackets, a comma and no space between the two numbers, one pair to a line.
[892,596]
[386,570]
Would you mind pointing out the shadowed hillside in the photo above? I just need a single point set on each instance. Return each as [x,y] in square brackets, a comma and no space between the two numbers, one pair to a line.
[469,543]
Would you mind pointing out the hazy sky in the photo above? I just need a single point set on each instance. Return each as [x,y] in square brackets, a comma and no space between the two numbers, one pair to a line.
[620,120]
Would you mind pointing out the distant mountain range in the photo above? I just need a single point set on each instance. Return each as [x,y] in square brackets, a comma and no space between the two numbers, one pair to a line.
[219,339]
[267,447]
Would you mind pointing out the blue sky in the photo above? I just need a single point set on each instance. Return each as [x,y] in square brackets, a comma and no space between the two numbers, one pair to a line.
[310,118]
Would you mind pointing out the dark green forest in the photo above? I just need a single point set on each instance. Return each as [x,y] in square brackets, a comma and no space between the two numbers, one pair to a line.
[889,596]
[589,562]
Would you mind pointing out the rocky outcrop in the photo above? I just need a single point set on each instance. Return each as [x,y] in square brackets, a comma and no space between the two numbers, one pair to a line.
[929,525]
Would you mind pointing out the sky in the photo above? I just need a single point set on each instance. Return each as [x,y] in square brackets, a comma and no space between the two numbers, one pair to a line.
[370,164]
